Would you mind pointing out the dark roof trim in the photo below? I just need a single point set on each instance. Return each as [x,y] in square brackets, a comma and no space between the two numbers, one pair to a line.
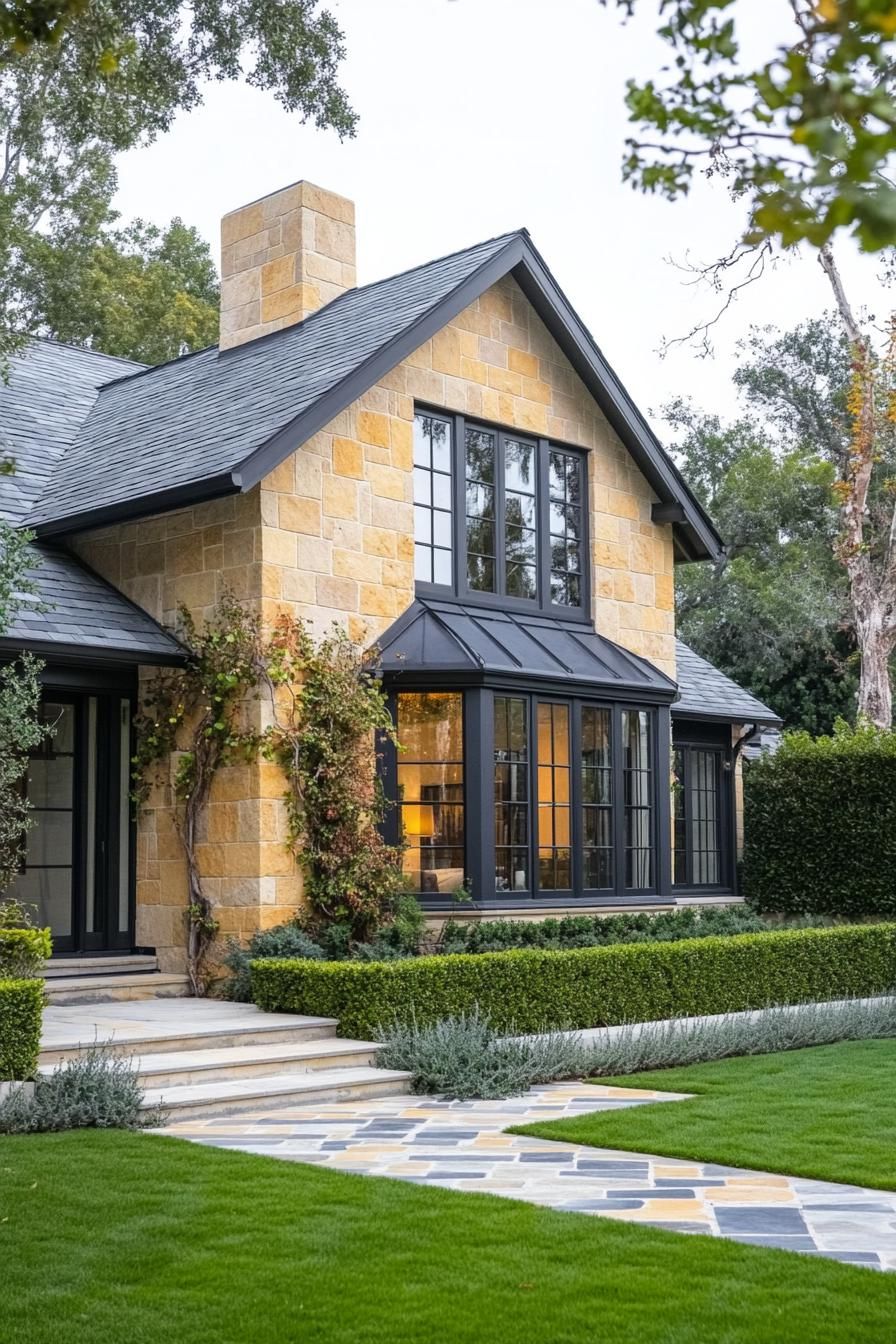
[696,536]
[160,501]
[310,422]
[768,720]
[88,655]
[452,677]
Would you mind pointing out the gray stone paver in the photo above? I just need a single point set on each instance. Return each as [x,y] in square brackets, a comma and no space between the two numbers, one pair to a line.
[464,1146]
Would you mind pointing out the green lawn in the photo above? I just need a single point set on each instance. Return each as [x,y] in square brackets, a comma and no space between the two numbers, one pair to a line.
[116,1238]
[827,1112]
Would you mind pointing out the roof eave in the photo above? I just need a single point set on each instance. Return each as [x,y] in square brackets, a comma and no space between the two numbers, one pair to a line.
[143,506]
[91,654]
[765,719]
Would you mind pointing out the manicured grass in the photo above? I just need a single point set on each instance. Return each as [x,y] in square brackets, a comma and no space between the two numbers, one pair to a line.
[116,1238]
[827,1112]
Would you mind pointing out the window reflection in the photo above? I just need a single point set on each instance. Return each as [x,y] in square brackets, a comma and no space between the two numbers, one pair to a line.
[431,789]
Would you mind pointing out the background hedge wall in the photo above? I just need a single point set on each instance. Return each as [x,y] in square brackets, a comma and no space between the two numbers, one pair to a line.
[588,987]
[21,1008]
[820,825]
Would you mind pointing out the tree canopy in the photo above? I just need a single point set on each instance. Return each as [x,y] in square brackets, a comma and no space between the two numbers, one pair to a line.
[774,613]
[805,136]
[115,76]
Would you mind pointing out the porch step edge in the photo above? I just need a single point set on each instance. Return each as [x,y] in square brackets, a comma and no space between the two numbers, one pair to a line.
[254,1032]
[274,1092]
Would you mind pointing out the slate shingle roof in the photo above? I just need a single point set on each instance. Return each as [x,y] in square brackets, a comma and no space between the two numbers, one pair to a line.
[706,693]
[200,417]
[50,393]
[83,614]
[439,637]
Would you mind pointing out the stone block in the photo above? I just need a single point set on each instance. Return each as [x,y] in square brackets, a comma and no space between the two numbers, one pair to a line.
[388,483]
[279,274]
[446,351]
[373,427]
[375,600]
[378,541]
[340,497]
[348,458]
[298,514]
[522,362]
[342,594]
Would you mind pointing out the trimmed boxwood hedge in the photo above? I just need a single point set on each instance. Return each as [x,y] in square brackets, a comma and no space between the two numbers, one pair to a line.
[23,952]
[588,987]
[820,825]
[21,1008]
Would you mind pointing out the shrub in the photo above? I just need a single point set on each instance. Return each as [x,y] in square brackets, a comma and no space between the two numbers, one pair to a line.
[286,940]
[21,1009]
[95,1090]
[530,990]
[820,824]
[600,931]
[465,1056]
[23,948]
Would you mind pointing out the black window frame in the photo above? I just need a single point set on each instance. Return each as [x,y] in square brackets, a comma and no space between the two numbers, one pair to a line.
[479,797]
[686,739]
[460,589]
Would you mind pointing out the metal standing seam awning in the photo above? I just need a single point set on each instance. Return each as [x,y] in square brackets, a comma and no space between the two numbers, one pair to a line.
[437,640]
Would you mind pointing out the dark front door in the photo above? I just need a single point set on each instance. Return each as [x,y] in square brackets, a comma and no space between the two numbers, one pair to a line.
[78,868]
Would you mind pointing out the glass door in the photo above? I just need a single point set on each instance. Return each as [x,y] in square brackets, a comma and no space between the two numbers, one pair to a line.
[77,869]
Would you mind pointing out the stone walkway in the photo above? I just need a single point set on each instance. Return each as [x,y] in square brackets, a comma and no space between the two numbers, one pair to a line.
[461,1145]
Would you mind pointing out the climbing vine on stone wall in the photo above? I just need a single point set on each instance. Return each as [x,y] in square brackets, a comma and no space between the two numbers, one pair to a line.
[329,713]
[196,714]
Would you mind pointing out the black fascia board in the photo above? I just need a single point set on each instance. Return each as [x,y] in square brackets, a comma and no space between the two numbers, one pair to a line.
[85,655]
[382,361]
[141,506]
[720,716]
[701,540]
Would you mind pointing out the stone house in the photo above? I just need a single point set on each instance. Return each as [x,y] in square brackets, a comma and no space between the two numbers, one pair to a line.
[443,461]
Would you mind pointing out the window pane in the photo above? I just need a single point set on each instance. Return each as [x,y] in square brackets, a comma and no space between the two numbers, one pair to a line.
[520,580]
[565,520]
[432,500]
[519,466]
[431,790]
[697,818]
[597,798]
[480,456]
[637,793]
[554,855]
[511,806]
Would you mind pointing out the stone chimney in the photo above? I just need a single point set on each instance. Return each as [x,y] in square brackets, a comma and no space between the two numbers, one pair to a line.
[282,258]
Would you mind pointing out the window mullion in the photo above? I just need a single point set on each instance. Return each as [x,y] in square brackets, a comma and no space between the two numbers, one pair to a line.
[576,825]
[543,525]
[618,803]
[500,519]
[458,481]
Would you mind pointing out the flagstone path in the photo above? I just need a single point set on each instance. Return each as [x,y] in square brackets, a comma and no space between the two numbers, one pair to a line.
[461,1145]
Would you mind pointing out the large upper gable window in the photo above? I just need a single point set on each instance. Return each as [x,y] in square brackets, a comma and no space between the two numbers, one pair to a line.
[499,516]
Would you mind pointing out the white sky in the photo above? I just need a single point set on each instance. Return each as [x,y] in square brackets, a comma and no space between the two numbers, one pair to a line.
[479,116]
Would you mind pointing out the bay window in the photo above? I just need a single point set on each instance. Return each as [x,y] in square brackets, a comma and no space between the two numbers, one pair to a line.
[542,797]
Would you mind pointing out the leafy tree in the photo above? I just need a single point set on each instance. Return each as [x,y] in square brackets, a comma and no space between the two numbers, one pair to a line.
[805,136]
[117,75]
[20,727]
[141,292]
[805,140]
[25,22]
[774,611]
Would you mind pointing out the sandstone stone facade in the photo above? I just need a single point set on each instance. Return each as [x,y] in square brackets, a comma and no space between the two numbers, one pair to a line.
[337,516]
[328,535]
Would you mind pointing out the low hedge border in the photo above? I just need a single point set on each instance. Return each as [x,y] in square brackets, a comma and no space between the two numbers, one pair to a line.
[529,990]
[23,952]
[21,1009]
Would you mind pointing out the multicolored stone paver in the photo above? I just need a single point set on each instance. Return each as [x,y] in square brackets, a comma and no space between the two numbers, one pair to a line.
[462,1145]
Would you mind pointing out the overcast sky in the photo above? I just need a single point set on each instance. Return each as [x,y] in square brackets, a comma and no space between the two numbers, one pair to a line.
[479,116]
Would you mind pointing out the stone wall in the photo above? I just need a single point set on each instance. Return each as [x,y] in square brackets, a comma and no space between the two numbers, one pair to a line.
[191,557]
[337,517]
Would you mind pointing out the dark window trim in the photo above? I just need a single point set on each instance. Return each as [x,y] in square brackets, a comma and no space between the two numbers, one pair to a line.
[702,736]
[479,774]
[542,605]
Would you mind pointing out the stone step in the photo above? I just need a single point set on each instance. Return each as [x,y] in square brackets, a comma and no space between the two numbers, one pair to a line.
[120,988]
[131,963]
[269,1092]
[204,1026]
[187,1068]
